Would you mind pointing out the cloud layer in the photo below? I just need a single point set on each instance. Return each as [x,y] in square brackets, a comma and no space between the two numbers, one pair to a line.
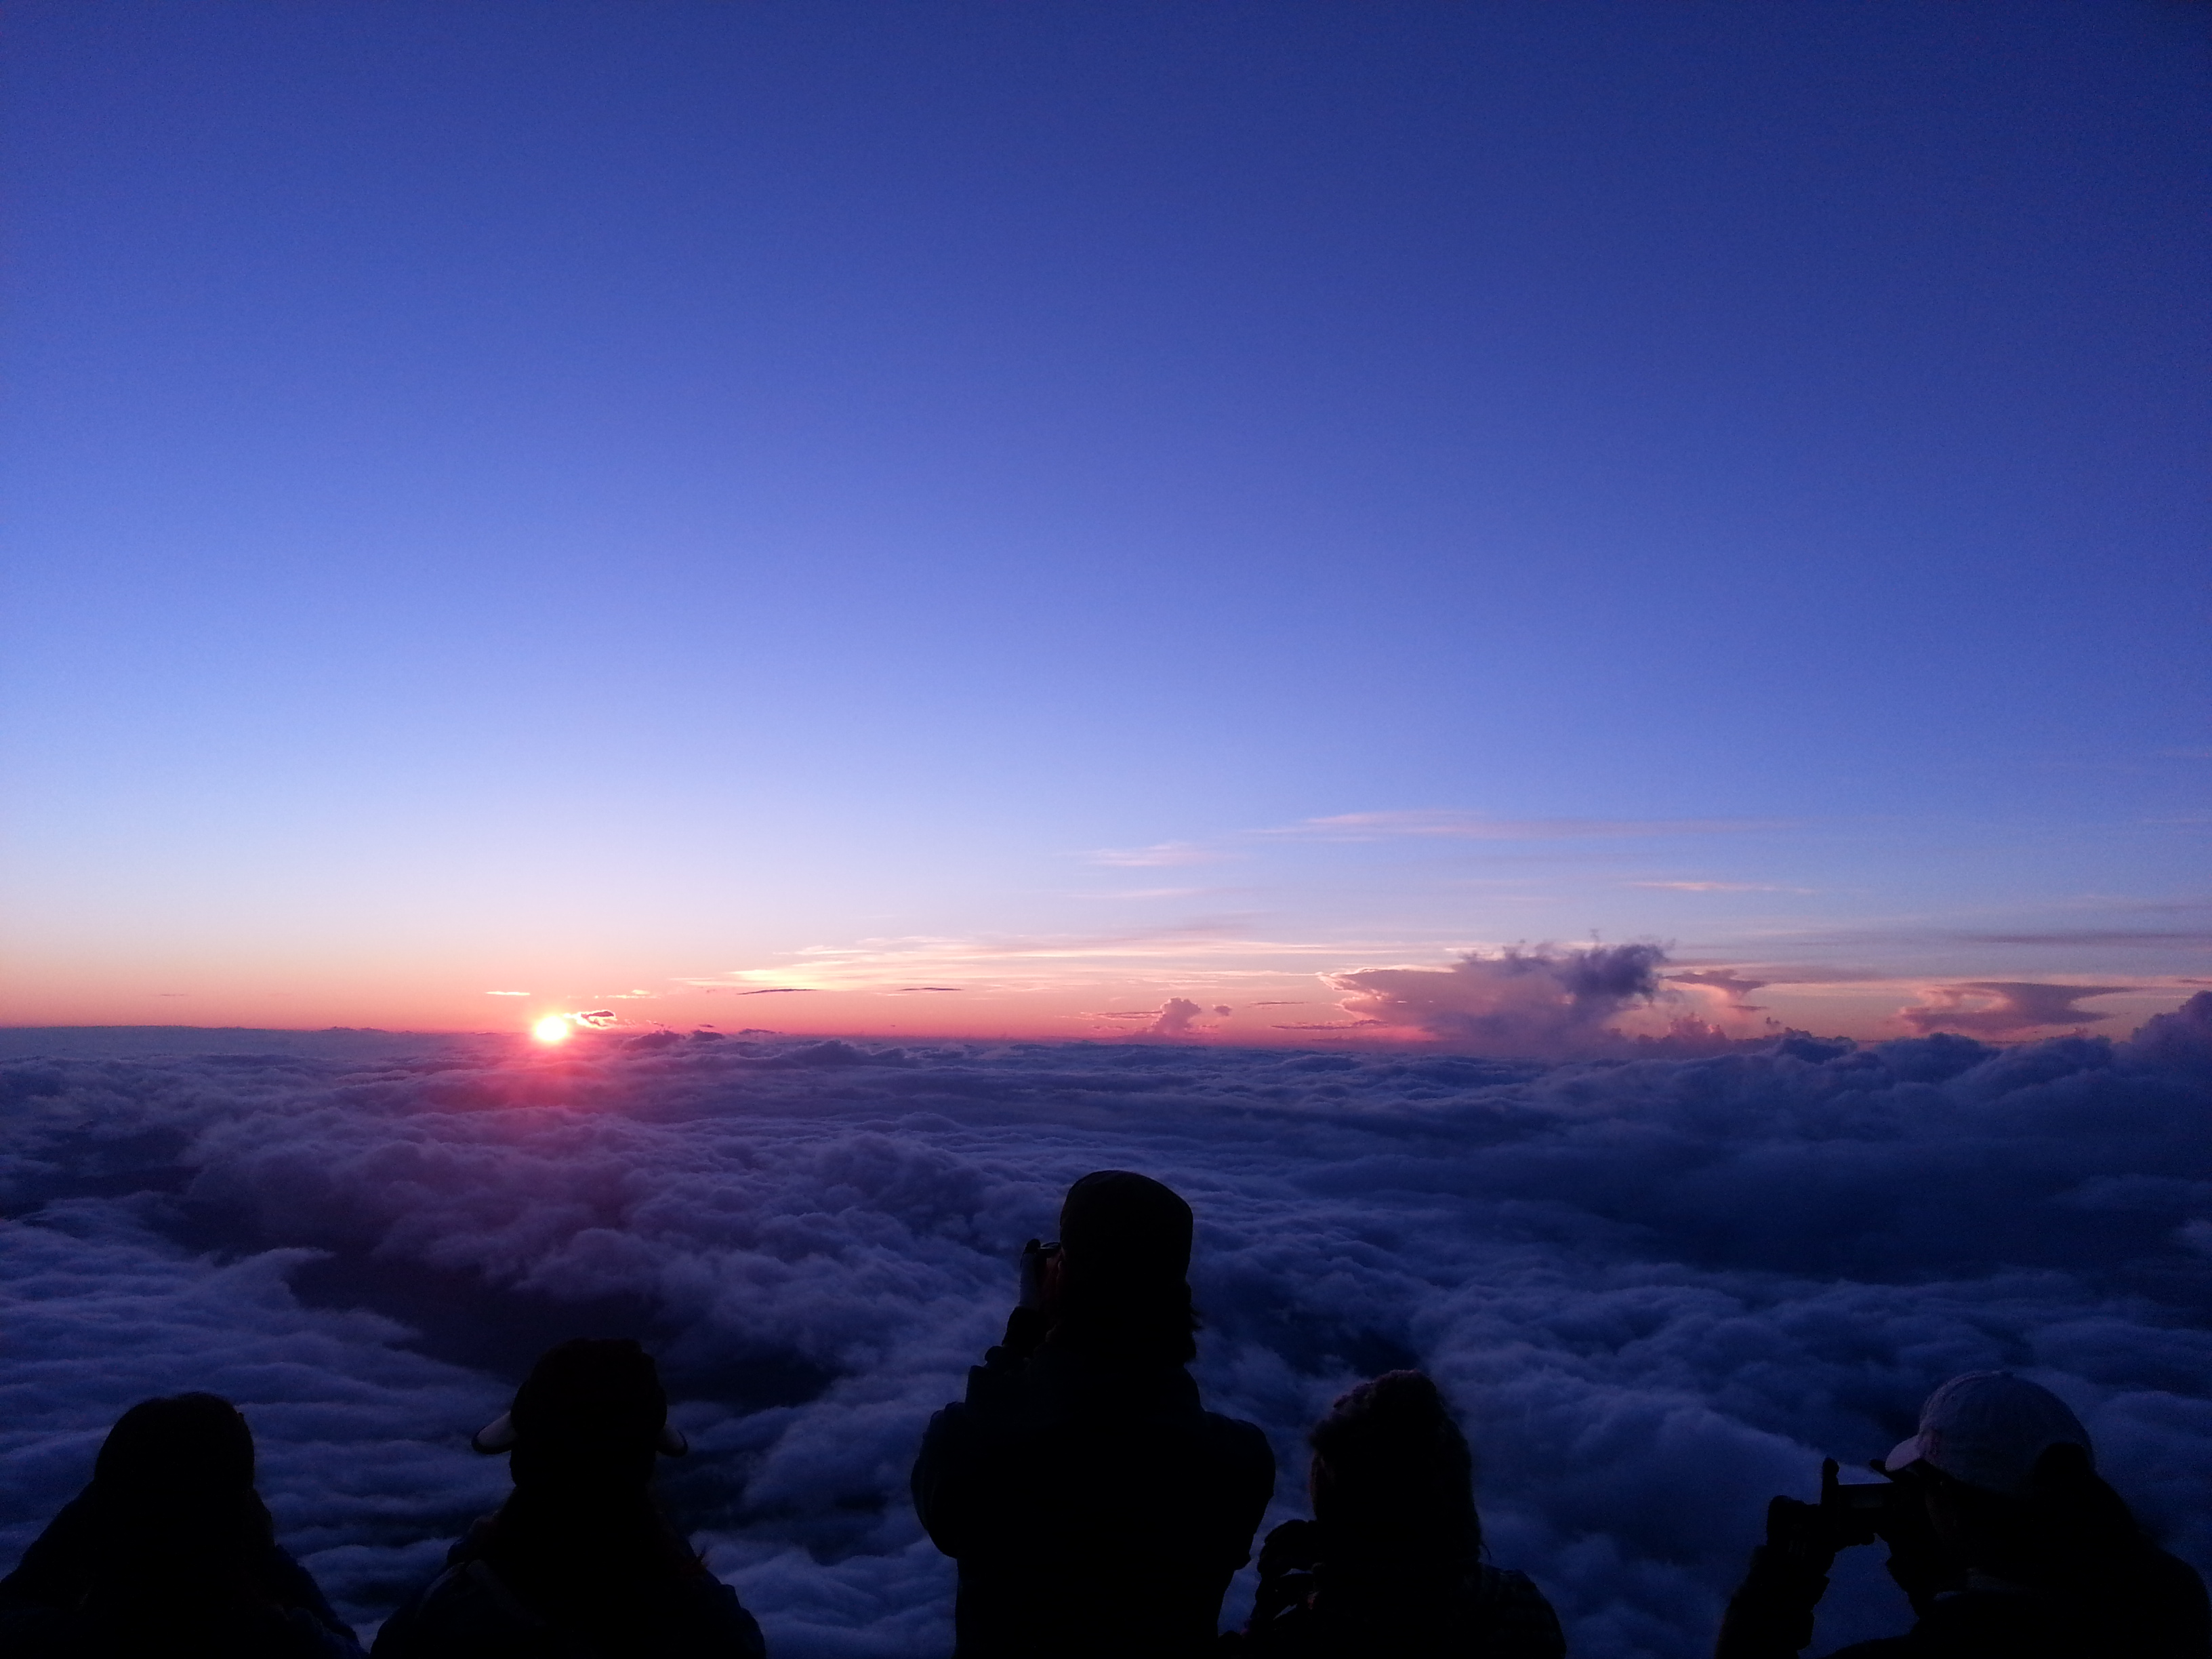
[1659,1290]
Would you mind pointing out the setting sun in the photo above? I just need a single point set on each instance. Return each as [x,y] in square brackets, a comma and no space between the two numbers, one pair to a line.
[554,1028]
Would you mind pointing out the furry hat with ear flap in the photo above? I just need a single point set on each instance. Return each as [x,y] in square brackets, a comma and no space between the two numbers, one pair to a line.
[588,1395]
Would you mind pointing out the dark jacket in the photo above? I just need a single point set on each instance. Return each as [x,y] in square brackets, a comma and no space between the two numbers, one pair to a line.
[2158,1612]
[467,1612]
[279,1612]
[1095,1509]
[1308,1608]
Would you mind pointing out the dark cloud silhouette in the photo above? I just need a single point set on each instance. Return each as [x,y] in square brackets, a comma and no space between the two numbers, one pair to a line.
[1657,1289]
[2004,1007]
[1539,1003]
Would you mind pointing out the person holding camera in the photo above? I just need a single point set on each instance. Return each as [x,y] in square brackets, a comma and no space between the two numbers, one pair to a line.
[2001,1533]
[1095,1508]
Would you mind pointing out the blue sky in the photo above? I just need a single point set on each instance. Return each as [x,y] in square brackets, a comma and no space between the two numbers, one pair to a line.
[597,498]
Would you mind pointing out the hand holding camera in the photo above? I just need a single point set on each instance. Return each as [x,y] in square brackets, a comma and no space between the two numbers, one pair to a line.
[1811,1533]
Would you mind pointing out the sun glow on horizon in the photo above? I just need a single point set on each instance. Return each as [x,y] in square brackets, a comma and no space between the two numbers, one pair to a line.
[554,1028]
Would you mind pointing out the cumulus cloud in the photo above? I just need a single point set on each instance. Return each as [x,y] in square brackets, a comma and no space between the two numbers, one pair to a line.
[2003,1007]
[1657,1289]
[1177,1018]
[1539,1003]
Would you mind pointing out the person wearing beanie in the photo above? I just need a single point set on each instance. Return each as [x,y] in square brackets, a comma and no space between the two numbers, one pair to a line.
[1096,1509]
[2000,1532]
[1391,1564]
[579,1563]
[168,1551]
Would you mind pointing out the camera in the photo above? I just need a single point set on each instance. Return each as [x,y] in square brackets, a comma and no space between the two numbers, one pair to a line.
[1035,1255]
[1865,1499]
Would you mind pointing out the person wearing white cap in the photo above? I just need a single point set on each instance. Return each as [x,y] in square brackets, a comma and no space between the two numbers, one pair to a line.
[580,1560]
[2001,1532]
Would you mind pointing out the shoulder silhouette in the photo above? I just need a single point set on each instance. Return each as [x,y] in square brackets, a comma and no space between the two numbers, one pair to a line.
[579,1563]
[1390,1567]
[168,1551]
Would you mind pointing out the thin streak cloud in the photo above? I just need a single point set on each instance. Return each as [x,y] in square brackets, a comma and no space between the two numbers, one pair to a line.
[1717,887]
[1162,856]
[1476,826]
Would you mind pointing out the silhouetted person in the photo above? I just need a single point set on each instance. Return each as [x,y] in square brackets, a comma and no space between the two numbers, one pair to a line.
[1390,1567]
[1094,1507]
[169,1552]
[579,1563]
[2000,1531]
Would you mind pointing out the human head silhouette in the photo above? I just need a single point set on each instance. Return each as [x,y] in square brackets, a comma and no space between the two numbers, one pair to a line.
[591,1408]
[180,1448]
[1121,1294]
[1989,1429]
[1393,1477]
[2008,1475]
[175,1538]
[1127,1225]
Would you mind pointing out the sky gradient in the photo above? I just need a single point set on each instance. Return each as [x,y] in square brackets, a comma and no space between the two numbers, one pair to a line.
[741,513]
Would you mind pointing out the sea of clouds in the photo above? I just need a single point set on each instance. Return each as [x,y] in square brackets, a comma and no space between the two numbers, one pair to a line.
[1659,1290]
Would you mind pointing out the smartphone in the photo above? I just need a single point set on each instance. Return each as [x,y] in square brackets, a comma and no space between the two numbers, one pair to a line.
[1865,1499]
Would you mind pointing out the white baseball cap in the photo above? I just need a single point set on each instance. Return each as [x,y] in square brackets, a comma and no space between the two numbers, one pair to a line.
[1987,1428]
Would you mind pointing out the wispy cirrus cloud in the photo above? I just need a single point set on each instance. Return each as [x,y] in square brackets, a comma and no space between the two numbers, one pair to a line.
[1448,823]
[2071,937]
[1160,855]
[1155,893]
[1717,887]
[1456,825]
[1220,948]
